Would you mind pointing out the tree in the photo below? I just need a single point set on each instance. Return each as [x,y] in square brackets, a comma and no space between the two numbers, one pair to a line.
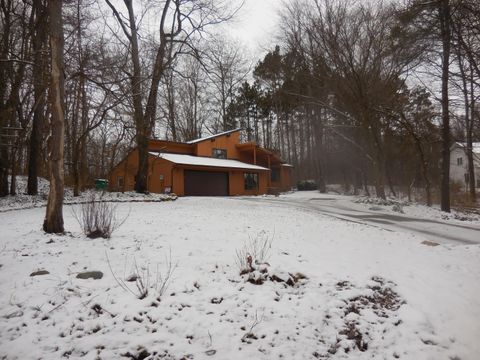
[179,21]
[40,63]
[53,222]
[226,69]
[446,35]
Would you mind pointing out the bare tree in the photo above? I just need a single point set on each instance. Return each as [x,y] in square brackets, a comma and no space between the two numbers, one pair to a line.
[192,104]
[39,87]
[179,21]
[53,222]
[227,68]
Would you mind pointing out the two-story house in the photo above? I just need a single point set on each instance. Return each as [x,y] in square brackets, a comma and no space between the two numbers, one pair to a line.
[217,165]
[459,163]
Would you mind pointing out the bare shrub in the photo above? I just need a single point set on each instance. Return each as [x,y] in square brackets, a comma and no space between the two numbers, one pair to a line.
[250,335]
[143,280]
[98,218]
[254,253]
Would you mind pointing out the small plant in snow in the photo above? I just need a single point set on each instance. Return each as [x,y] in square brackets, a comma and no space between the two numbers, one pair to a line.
[250,335]
[144,281]
[98,218]
[254,253]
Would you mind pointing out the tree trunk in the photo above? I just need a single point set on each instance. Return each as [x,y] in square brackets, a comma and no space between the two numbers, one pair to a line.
[53,222]
[471,165]
[39,66]
[444,12]
[318,130]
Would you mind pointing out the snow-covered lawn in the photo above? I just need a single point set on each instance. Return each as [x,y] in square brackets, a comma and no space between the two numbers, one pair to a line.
[369,293]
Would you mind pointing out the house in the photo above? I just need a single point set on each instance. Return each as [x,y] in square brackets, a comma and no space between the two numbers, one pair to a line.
[459,163]
[217,165]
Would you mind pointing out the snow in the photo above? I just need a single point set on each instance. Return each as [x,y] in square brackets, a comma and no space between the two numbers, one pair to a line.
[431,302]
[475,146]
[206,161]
[212,136]
[24,201]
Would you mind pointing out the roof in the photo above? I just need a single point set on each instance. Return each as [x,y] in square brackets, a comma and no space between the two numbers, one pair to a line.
[212,136]
[287,165]
[206,161]
[475,146]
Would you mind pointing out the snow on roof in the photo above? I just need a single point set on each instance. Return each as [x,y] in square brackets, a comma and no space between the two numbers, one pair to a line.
[212,136]
[206,161]
[287,165]
[475,146]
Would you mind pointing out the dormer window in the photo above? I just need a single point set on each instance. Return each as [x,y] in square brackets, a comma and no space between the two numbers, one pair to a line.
[219,153]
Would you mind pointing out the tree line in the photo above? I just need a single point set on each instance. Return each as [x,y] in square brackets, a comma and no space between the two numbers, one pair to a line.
[370,93]
[355,93]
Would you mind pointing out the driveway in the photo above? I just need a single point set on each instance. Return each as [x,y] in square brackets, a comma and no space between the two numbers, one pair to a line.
[343,207]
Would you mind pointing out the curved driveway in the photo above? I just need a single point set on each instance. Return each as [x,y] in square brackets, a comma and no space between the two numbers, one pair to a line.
[342,207]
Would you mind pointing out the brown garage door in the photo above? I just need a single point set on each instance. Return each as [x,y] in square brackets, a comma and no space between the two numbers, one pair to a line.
[206,183]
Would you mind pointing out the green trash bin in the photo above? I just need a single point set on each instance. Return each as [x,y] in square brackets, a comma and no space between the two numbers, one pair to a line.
[101,184]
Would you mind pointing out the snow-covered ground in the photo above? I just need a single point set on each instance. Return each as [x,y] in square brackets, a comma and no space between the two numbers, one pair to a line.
[23,201]
[368,293]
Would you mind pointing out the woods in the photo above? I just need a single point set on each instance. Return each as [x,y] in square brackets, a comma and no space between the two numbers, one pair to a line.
[367,95]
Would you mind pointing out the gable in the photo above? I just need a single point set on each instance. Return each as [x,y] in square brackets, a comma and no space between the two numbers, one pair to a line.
[227,141]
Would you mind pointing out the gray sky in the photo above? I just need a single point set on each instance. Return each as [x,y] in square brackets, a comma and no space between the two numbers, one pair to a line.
[256,24]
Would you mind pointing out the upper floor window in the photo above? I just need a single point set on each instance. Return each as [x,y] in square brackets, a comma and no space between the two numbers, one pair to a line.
[459,161]
[219,153]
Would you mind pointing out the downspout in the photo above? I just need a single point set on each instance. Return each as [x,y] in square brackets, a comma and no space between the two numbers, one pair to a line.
[171,180]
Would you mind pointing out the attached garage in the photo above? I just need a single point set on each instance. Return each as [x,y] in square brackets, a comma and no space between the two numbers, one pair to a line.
[206,183]
[188,175]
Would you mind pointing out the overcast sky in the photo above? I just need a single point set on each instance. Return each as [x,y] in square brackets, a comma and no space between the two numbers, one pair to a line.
[256,24]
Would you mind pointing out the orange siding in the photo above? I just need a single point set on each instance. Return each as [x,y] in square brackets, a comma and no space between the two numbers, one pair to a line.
[286,178]
[237,183]
[226,142]
[169,146]
[163,174]
[160,175]
[126,169]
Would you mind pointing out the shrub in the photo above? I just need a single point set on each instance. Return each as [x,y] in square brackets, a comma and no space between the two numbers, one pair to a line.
[98,218]
[254,253]
[304,185]
[143,280]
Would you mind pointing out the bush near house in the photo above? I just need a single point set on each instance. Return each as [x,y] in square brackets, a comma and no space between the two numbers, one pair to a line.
[304,185]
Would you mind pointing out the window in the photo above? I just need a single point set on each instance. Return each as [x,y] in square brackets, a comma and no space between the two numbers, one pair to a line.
[459,161]
[251,181]
[466,178]
[120,181]
[275,174]
[219,153]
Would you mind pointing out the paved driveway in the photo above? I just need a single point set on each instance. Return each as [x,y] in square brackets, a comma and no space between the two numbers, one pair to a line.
[343,207]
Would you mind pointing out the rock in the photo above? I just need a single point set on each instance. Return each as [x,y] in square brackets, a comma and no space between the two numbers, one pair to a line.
[430,243]
[132,278]
[90,275]
[210,352]
[39,272]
